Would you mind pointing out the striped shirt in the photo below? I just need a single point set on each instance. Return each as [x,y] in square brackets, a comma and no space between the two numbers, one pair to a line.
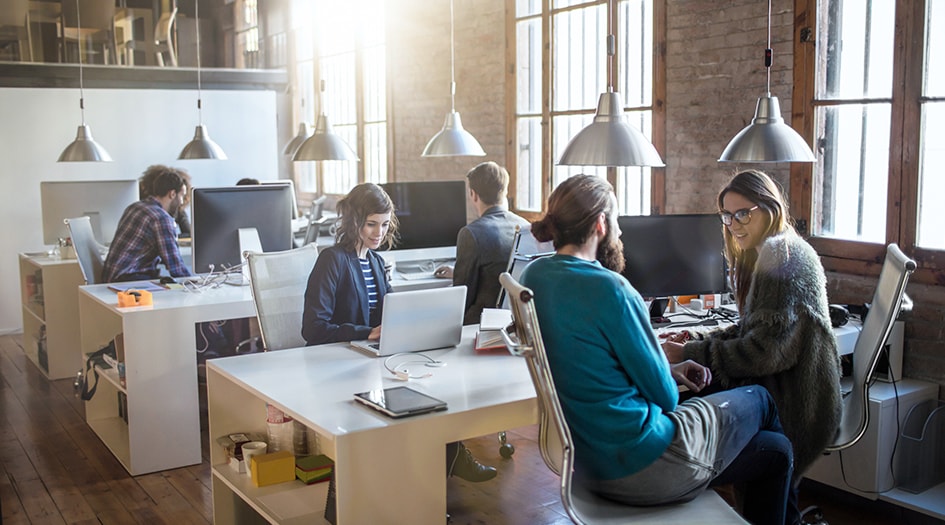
[369,281]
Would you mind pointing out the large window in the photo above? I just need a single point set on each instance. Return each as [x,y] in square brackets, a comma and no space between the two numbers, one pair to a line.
[341,45]
[561,68]
[872,94]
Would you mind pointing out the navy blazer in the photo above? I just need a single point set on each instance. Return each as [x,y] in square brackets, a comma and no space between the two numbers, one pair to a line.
[336,300]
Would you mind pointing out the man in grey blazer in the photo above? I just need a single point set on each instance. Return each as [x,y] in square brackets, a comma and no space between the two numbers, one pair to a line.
[484,245]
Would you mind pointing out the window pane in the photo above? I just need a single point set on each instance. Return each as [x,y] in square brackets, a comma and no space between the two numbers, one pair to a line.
[527,190]
[852,172]
[635,51]
[528,66]
[931,227]
[305,179]
[633,184]
[579,69]
[527,7]
[341,176]
[339,98]
[855,49]
[565,128]
[375,153]
[935,40]
[375,80]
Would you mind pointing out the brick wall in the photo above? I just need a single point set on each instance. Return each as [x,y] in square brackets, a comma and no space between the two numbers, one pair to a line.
[715,73]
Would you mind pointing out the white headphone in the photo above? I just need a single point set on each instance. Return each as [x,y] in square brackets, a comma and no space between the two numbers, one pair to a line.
[401,371]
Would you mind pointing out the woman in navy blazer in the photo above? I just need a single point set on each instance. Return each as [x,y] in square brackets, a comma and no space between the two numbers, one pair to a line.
[346,289]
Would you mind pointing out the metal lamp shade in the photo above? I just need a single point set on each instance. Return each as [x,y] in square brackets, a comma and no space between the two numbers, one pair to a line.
[453,140]
[767,138]
[324,145]
[610,140]
[305,131]
[202,147]
[84,148]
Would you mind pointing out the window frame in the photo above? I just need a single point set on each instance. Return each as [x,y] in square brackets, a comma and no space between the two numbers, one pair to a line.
[657,109]
[860,257]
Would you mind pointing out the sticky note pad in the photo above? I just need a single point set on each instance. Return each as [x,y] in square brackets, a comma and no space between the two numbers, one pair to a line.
[276,467]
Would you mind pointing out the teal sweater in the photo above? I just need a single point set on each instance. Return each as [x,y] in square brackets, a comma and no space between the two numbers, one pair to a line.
[612,377]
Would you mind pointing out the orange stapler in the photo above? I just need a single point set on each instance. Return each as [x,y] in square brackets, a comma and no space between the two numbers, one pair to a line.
[134,298]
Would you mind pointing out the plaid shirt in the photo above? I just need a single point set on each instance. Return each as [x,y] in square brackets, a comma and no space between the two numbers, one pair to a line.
[146,237]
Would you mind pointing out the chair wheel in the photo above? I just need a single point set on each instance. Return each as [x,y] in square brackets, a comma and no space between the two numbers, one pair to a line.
[506,450]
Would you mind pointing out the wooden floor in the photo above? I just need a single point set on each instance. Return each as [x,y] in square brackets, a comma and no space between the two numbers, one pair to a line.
[53,469]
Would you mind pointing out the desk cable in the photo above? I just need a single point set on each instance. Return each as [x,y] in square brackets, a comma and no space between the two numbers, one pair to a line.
[400,369]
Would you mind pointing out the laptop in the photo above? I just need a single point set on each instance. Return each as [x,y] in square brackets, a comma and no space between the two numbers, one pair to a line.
[418,320]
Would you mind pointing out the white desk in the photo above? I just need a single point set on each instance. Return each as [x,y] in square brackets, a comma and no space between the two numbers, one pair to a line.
[163,428]
[386,470]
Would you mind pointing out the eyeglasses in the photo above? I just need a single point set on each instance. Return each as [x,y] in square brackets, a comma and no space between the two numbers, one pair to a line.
[742,216]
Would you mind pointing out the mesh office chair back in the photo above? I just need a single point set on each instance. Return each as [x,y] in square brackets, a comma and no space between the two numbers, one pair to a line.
[278,281]
[889,300]
[557,447]
[87,250]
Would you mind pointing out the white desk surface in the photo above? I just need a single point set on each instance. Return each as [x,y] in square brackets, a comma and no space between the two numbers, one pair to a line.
[316,385]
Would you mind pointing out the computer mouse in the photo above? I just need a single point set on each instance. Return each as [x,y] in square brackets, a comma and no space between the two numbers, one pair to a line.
[444,272]
[167,280]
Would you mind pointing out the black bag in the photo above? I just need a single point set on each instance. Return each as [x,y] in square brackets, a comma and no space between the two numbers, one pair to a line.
[81,385]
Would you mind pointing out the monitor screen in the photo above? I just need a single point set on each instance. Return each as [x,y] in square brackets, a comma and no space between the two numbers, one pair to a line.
[430,213]
[219,213]
[673,254]
[103,201]
[291,183]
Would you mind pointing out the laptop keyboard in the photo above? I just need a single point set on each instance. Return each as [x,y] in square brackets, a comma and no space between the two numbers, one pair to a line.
[376,346]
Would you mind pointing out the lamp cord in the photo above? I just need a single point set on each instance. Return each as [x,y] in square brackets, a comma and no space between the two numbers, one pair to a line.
[78,23]
[199,90]
[611,46]
[768,54]
[452,58]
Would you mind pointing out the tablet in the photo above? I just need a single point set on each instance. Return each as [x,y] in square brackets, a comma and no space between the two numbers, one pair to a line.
[400,401]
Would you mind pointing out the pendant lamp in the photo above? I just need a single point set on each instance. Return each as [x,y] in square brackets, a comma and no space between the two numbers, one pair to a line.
[202,146]
[83,148]
[323,144]
[767,138]
[305,131]
[610,140]
[453,140]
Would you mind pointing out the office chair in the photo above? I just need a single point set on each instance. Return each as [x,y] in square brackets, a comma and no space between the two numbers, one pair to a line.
[164,38]
[278,281]
[87,250]
[98,28]
[557,448]
[316,219]
[889,300]
[15,29]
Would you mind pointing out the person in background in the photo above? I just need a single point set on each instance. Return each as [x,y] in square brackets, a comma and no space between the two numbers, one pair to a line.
[247,181]
[633,441]
[344,297]
[147,234]
[145,189]
[484,245]
[783,339]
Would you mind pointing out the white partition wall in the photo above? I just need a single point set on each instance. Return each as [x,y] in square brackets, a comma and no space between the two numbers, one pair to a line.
[138,127]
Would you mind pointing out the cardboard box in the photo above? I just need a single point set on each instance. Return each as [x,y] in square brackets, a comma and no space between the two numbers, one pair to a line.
[272,468]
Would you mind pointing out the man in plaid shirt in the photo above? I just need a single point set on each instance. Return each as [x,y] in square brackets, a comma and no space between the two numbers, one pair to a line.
[147,233]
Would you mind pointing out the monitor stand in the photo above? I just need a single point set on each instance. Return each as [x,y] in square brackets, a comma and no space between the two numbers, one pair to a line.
[249,242]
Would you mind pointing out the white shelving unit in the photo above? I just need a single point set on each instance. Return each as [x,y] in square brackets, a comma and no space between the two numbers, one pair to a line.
[48,288]
[157,427]
[866,465]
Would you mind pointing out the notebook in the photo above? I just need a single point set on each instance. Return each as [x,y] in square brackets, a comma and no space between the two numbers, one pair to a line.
[418,320]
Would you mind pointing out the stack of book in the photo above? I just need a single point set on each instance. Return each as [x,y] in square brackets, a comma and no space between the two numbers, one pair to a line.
[491,323]
[313,469]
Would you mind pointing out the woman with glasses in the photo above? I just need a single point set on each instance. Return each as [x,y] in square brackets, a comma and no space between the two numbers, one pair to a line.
[784,340]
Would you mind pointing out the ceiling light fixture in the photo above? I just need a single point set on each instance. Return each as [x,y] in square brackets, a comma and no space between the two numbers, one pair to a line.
[323,144]
[202,146]
[610,140]
[767,138]
[83,148]
[453,140]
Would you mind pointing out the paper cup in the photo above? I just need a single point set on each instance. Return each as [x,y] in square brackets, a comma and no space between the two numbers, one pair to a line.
[253,448]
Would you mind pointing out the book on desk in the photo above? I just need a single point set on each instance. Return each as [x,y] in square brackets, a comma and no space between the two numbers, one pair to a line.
[491,323]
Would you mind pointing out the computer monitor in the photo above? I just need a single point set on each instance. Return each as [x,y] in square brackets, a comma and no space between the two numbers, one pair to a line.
[291,183]
[430,213]
[673,254]
[219,213]
[103,201]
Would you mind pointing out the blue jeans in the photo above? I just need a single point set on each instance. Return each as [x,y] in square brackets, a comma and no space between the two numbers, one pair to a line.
[729,437]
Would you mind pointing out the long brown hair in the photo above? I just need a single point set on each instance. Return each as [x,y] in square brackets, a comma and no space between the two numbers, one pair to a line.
[353,210]
[573,209]
[759,188]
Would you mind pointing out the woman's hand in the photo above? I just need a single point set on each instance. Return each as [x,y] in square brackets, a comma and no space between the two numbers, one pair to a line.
[692,375]
[375,333]
[673,350]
